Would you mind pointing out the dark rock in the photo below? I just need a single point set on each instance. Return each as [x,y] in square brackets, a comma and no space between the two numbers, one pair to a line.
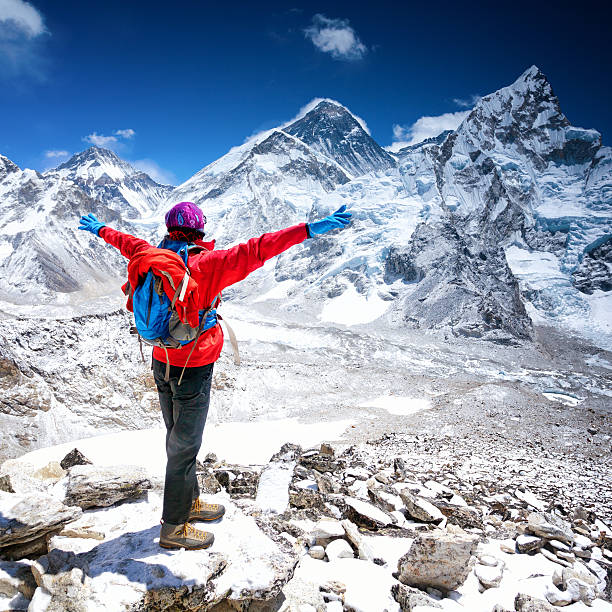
[237,480]
[5,484]
[74,457]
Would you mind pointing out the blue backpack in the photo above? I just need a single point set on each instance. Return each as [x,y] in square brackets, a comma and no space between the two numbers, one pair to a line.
[157,322]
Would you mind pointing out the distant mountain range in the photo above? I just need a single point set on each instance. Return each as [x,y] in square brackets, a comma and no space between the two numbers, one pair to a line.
[504,222]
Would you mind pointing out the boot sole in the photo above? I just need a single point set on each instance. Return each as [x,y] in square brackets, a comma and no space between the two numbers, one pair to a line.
[177,547]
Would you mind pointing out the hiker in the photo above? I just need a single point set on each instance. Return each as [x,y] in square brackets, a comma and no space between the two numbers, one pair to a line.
[183,375]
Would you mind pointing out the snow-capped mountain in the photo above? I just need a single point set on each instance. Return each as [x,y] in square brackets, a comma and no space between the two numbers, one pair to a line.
[332,130]
[483,230]
[104,176]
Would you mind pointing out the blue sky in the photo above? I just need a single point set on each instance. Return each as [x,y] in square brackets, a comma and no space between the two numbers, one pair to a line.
[172,86]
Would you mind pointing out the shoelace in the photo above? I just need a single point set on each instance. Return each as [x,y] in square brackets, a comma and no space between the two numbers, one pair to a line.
[198,506]
[191,532]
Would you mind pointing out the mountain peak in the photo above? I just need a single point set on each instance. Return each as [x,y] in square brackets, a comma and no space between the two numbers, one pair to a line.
[331,129]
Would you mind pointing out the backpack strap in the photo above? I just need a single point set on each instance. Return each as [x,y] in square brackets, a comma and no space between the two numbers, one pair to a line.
[233,339]
[195,340]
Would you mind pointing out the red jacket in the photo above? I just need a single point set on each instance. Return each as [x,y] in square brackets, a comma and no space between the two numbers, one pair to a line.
[213,271]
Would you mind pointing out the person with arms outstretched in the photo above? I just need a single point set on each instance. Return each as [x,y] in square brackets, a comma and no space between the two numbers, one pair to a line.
[183,375]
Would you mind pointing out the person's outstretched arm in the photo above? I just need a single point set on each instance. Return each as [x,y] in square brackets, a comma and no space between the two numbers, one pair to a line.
[127,244]
[225,267]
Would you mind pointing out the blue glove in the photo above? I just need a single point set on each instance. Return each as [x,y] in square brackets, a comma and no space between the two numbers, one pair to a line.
[90,223]
[338,220]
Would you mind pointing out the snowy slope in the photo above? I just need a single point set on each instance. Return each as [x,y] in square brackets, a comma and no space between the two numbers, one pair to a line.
[106,177]
[436,225]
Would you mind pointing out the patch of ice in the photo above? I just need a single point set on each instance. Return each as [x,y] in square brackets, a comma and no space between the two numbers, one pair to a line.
[562,398]
[401,406]
[352,308]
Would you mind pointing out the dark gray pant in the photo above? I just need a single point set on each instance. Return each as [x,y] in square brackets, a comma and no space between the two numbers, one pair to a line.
[184,409]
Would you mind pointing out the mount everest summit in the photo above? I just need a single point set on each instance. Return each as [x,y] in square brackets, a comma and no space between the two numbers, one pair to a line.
[483,230]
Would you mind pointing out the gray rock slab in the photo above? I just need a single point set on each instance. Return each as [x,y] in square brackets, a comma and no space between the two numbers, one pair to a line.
[28,519]
[90,486]
[438,560]
[409,598]
[549,526]
[528,603]
[420,509]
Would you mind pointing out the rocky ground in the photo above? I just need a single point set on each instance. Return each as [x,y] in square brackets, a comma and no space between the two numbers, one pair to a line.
[366,528]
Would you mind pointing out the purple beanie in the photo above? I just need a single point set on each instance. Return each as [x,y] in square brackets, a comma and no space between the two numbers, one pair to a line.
[185,214]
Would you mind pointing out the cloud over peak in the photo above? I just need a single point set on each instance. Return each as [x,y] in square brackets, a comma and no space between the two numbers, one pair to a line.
[425,127]
[336,37]
[100,140]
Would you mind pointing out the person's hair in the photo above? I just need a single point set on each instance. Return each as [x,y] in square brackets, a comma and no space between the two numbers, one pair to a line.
[184,234]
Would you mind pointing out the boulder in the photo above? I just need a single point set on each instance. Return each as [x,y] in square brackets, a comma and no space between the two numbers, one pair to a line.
[464,517]
[409,598]
[237,480]
[489,576]
[27,522]
[74,457]
[527,603]
[550,526]
[357,540]
[327,530]
[16,579]
[526,543]
[438,560]
[366,515]
[420,509]
[339,549]
[317,552]
[5,484]
[90,486]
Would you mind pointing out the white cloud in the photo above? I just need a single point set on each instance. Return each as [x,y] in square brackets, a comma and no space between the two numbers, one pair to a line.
[109,142]
[467,102]
[158,174]
[128,134]
[21,16]
[335,36]
[53,154]
[425,127]
[21,53]
[99,140]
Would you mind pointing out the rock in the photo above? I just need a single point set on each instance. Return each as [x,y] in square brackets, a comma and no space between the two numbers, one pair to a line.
[420,509]
[16,578]
[557,545]
[384,499]
[580,584]
[437,559]
[5,484]
[438,488]
[305,498]
[358,473]
[366,515]
[327,449]
[237,480]
[208,483]
[508,546]
[288,453]
[130,572]
[52,471]
[357,540]
[322,462]
[527,543]
[569,557]
[557,597]
[327,530]
[326,483]
[74,457]
[550,526]
[530,499]
[26,522]
[552,557]
[488,560]
[464,517]
[339,549]
[409,598]
[489,577]
[527,603]
[317,552]
[90,486]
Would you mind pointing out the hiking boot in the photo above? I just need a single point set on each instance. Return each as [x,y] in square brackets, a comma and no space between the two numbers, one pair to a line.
[184,536]
[205,512]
